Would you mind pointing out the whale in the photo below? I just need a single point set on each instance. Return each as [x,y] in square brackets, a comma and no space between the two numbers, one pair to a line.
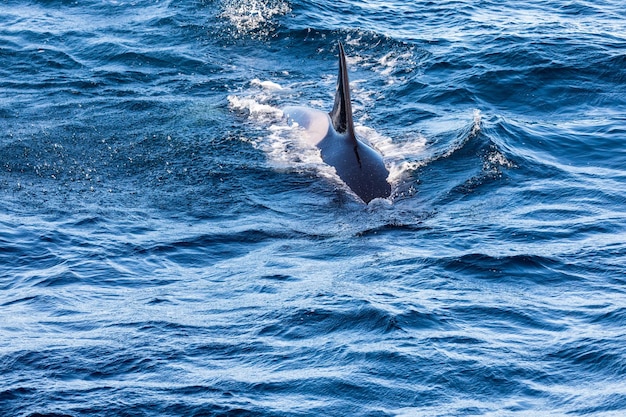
[357,164]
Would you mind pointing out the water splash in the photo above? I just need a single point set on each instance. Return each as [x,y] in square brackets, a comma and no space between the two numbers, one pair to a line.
[253,17]
[254,108]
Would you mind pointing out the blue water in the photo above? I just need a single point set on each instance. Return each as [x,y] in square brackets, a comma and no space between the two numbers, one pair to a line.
[169,247]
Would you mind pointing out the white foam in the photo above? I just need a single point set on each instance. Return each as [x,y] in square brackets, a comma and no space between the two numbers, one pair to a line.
[286,149]
[267,85]
[392,66]
[477,122]
[391,61]
[284,145]
[256,110]
[252,15]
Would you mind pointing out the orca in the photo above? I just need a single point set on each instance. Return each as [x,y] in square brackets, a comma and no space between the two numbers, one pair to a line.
[358,165]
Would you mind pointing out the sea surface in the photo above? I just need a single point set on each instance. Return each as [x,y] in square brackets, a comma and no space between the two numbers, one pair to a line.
[170,246]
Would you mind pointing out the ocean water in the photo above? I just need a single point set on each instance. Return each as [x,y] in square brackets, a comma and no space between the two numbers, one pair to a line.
[169,246]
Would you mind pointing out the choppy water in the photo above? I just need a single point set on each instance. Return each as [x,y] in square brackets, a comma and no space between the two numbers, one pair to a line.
[169,247]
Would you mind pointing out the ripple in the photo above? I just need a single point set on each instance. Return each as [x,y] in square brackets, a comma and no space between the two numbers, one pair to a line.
[164,251]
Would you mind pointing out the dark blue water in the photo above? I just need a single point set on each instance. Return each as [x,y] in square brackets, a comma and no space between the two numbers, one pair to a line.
[170,247]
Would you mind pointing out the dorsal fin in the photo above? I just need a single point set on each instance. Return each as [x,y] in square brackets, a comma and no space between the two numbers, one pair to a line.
[341,115]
